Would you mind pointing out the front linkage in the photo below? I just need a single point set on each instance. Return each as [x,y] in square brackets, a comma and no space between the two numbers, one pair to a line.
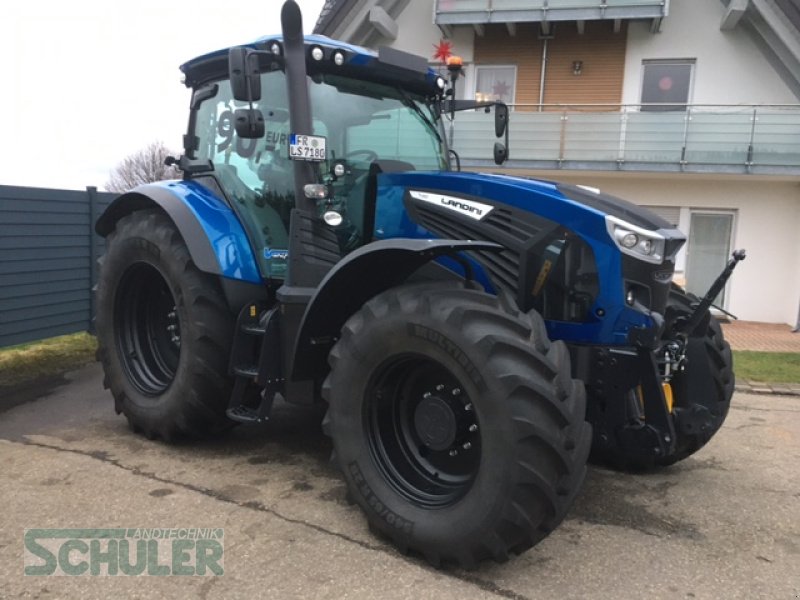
[651,402]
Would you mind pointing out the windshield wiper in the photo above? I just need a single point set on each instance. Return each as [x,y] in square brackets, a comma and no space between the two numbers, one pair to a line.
[408,101]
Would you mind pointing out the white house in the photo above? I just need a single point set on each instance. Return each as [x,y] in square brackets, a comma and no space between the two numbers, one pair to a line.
[691,107]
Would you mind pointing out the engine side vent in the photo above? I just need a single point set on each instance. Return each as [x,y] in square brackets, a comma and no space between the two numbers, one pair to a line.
[503,266]
[504,220]
[315,254]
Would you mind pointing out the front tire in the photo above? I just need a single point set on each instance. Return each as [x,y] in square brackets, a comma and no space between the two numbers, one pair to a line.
[456,423]
[164,331]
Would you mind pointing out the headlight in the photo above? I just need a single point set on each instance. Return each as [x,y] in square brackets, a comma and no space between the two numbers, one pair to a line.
[635,241]
[626,238]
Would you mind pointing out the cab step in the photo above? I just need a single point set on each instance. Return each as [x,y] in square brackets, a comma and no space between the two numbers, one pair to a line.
[255,364]
[249,371]
[247,414]
[251,329]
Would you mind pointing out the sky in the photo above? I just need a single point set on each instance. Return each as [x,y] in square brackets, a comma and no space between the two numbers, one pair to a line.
[86,83]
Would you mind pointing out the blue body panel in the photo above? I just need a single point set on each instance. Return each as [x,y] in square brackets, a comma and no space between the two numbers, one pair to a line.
[222,226]
[542,198]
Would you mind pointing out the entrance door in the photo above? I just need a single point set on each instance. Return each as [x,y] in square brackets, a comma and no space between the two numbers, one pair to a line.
[708,251]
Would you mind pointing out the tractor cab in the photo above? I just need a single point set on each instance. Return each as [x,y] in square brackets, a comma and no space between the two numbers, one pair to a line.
[369,113]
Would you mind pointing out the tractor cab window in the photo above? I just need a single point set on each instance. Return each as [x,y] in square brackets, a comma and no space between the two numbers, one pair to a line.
[369,122]
[256,174]
[362,122]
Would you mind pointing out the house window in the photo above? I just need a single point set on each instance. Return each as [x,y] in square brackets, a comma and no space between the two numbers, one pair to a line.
[495,83]
[709,246]
[666,84]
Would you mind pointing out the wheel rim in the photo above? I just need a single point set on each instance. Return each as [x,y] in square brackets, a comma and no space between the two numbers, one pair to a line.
[147,329]
[422,430]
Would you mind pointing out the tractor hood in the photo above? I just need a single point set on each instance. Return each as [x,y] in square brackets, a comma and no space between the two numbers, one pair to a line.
[532,220]
[581,209]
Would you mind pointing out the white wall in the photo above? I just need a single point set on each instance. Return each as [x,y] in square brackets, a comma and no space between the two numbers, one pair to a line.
[417,33]
[766,286]
[730,68]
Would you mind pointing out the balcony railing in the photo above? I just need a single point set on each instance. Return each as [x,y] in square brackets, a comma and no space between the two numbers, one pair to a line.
[460,12]
[748,139]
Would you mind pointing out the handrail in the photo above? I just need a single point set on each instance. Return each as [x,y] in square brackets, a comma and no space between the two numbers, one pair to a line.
[746,138]
[648,104]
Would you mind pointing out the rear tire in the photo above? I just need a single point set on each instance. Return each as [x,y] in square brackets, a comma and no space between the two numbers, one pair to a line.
[455,422]
[164,331]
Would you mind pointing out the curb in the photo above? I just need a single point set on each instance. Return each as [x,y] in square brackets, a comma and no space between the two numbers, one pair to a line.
[776,389]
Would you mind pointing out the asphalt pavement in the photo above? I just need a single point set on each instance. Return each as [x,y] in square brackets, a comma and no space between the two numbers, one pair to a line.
[724,523]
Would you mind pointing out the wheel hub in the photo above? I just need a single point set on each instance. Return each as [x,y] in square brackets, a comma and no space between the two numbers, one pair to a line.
[436,423]
[423,430]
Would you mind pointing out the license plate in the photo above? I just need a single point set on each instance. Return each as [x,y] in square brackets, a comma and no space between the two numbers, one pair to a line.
[306,147]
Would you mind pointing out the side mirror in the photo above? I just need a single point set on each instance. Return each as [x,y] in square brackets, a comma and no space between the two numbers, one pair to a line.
[500,119]
[245,80]
[249,123]
[500,153]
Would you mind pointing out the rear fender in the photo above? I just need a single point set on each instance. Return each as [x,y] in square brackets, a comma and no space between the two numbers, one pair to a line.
[361,275]
[213,234]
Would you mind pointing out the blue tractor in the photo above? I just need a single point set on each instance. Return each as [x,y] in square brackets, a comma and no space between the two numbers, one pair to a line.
[474,336]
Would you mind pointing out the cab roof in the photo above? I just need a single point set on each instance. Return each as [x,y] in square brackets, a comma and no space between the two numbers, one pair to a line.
[386,66]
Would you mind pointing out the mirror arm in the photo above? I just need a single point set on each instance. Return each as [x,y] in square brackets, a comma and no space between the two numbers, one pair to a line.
[506,140]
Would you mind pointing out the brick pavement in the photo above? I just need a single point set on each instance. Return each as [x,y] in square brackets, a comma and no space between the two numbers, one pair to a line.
[763,337]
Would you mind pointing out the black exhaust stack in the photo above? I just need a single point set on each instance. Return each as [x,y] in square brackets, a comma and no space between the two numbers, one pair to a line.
[297,88]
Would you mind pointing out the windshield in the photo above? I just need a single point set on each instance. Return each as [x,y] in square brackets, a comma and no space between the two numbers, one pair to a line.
[361,121]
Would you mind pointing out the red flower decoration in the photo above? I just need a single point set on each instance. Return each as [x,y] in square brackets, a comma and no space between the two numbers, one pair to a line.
[444,49]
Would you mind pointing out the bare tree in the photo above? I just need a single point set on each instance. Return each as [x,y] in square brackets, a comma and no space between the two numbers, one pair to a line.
[143,166]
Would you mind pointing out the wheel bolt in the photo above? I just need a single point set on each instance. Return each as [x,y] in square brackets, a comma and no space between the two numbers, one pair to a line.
[468,407]
[456,391]
[426,395]
[171,315]
[439,387]
[453,452]
[473,428]
[467,446]
[170,327]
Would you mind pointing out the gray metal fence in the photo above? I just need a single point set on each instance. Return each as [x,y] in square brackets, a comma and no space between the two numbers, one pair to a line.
[48,254]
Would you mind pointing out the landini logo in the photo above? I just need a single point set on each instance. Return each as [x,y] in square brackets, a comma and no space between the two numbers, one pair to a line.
[469,208]
[140,551]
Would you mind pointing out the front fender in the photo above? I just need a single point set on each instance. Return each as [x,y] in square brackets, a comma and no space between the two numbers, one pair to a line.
[361,275]
[213,234]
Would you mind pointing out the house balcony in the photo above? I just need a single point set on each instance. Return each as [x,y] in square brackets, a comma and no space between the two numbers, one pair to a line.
[755,139]
[477,12]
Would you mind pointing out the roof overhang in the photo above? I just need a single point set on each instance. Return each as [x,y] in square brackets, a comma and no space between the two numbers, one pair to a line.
[775,26]
[363,22]
[479,12]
